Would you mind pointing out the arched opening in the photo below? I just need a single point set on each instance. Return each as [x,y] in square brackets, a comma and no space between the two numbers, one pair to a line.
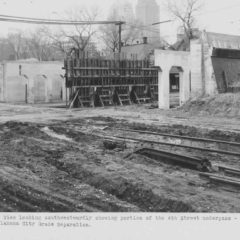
[174,85]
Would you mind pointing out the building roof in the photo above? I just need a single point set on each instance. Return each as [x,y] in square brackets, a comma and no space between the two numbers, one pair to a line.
[225,41]
[180,45]
[138,51]
[142,50]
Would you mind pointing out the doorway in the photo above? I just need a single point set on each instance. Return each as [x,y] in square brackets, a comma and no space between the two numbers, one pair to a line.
[174,86]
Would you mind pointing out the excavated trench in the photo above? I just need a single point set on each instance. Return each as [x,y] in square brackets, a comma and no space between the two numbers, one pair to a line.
[135,194]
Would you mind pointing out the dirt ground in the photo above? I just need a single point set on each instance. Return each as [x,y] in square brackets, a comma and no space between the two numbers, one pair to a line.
[55,159]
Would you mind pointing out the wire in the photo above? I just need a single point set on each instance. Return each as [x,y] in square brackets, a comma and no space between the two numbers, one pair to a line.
[7,18]
[142,28]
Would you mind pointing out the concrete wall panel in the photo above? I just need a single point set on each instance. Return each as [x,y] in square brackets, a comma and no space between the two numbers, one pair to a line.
[39,88]
[196,68]
[166,60]
[2,83]
[44,81]
[57,88]
[16,89]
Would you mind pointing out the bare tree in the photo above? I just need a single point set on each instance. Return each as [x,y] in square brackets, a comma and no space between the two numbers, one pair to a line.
[34,44]
[109,33]
[78,36]
[17,43]
[131,31]
[38,46]
[185,11]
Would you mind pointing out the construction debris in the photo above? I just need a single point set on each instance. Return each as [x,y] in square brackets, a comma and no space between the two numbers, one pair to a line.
[109,144]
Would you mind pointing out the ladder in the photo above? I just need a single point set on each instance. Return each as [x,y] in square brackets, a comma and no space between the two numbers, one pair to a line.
[141,99]
[124,99]
[86,101]
[106,96]
[82,101]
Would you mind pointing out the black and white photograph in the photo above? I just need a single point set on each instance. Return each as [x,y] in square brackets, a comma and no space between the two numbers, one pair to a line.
[119,107]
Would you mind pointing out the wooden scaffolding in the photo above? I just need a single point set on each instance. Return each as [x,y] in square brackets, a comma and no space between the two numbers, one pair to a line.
[105,82]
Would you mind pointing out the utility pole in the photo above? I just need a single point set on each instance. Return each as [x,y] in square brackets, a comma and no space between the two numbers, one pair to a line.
[120,36]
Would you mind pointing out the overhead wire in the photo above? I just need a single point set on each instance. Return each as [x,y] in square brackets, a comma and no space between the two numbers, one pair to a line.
[8,18]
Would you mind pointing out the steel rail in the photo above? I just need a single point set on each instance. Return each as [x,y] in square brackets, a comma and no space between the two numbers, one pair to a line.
[182,137]
[179,159]
[160,143]
[221,179]
[179,145]
[230,171]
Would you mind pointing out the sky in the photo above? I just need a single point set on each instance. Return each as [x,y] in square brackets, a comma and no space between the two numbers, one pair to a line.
[217,15]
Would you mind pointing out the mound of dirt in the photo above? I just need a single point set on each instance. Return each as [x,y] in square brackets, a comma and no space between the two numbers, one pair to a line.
[226,104]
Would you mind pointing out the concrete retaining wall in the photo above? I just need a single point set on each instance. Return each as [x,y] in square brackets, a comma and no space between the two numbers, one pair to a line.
[32,82]
[16,89]
[166,60]
[195,61]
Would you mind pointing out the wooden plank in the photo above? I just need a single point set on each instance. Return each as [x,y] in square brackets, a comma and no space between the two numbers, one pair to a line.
[76,95]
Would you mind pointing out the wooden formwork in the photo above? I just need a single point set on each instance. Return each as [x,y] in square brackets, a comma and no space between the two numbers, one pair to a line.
[101,82]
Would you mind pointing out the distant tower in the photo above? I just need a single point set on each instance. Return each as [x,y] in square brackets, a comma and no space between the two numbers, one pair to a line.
[123,11]
[148,12]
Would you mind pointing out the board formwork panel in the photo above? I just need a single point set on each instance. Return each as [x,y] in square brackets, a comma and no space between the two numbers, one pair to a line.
[100,82]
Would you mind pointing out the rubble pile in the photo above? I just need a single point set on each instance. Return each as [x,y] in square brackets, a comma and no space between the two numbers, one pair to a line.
[227,104]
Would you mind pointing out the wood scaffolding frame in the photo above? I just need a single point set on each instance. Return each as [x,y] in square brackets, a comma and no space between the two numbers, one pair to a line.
[103,82]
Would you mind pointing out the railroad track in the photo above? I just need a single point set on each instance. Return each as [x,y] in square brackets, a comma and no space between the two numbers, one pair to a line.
[181,137]
[229,171]
[220,177]
[201,144]
[177,159]
[168,140]
[225,177]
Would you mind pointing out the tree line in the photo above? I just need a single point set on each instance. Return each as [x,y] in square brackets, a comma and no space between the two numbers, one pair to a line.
[53,43]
